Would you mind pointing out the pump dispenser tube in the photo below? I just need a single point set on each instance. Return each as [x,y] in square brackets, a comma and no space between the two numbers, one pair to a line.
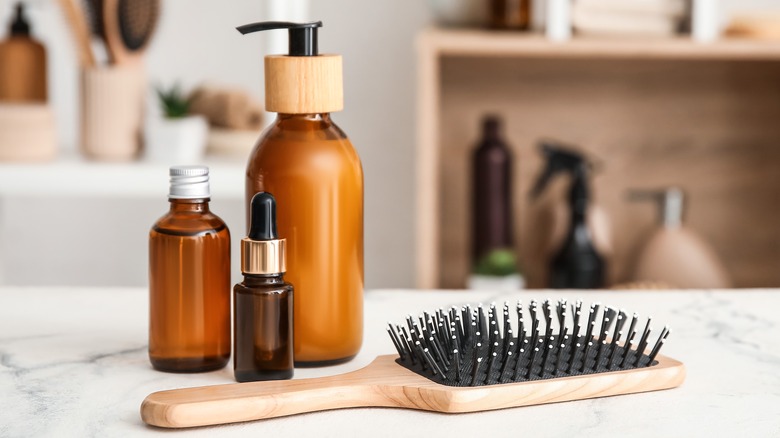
[315,174]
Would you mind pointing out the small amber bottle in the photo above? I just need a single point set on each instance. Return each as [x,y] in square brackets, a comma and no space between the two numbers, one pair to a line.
[510,14]
[189,280]
[263,301]
[22,63]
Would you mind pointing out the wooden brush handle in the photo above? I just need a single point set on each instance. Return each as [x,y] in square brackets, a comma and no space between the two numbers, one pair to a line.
[384,383]
[239,402]
[78,26]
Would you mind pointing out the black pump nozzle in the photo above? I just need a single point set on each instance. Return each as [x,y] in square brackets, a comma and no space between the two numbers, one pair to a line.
[559,159]
[263,217]
[20,26]
[302,36]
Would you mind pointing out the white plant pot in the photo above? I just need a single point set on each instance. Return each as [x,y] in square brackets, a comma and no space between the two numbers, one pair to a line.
[505,283]
[176,141]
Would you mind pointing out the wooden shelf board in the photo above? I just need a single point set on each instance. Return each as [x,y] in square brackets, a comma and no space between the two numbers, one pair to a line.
[483,43]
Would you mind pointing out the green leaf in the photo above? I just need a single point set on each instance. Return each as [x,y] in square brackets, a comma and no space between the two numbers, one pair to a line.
[173,101]
[497,263]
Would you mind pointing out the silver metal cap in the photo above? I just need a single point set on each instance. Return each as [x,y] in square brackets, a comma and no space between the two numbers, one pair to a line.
[189,182]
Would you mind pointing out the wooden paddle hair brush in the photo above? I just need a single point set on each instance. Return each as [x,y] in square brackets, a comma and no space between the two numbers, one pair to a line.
[461,360]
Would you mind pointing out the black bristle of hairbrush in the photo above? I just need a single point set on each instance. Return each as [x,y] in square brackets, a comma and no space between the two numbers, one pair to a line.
[561,350]
[585,355]
[438,354]
[621,319]
[438,349]
[591,323]
[640,348]
[530,366]
[505,364]
[520,357]
[534,318]
[534,338]
[435,365]
[437,345]
[573,357]
[627,350]
[520,328]
[576,312]
[465,319]
[456,361]
[599,354]
[477,362]
[482,323]
[507,331]
[659,343]
[613,349]
[396,341]
[605,323]
[562,313]
[408,345]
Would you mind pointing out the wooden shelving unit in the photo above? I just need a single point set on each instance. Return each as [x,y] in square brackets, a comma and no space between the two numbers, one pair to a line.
[654,112]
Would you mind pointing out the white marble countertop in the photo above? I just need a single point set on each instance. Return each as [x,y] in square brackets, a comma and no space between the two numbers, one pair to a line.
[73,363]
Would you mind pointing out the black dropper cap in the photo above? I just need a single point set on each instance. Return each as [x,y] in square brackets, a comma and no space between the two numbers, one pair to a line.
[302,36]
[263,217]
[20,26]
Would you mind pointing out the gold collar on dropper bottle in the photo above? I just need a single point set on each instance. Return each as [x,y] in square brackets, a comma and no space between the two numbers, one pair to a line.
[262,251]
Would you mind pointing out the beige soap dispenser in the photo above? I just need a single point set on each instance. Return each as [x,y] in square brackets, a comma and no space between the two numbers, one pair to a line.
[674,255]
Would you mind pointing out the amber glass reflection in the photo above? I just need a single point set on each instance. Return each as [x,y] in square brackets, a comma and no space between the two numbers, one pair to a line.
[189,289]
[314,173]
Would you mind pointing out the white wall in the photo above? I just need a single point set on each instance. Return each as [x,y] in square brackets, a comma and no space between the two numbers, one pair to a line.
[56,241]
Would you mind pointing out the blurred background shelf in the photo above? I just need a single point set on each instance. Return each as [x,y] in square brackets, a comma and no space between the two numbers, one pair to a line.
[73,176]
[647,110]
[479,43]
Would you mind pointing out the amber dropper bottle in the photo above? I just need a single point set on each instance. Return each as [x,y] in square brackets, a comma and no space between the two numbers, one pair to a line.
[263,301]
[189,279]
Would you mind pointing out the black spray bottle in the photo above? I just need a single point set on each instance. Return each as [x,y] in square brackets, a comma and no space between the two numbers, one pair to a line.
[263,301]
[577,264]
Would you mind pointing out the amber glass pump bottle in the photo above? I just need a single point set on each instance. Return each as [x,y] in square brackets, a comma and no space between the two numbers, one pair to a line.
[263,301]
[189,279]
[315,174]
[22,63]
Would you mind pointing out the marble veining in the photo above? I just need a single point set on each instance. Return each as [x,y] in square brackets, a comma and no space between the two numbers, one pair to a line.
[73,363]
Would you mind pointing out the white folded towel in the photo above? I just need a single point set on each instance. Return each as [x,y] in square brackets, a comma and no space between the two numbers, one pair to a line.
[668,8]
[589,22]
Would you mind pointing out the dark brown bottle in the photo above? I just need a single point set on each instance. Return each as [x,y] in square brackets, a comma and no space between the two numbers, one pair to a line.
[189,280]
[263,301]
[492,192]
[510,14]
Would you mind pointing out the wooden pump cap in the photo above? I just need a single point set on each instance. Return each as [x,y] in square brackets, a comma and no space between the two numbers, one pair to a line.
[303,84]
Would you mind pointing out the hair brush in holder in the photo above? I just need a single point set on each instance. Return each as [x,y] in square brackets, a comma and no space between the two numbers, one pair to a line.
[461,360]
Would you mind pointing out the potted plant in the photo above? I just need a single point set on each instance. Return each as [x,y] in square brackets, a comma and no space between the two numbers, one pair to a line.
[175,137]
[497,271]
